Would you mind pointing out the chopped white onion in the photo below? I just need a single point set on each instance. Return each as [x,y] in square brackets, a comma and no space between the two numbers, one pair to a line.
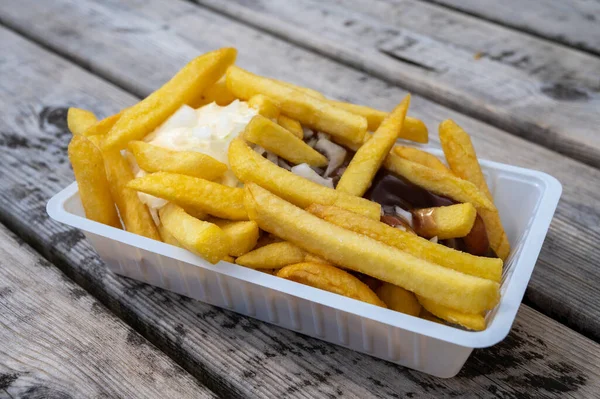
[312,142]
[406,215]
[307,132]
[400,227]
[434,239]
[260,150]
[304,170]
[272,157]
[323,136]
[334,153]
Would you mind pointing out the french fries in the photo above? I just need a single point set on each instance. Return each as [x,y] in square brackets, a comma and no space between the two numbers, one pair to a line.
[462,159]
[282,142]
[248,166]
[202,238]
[367,160]
[79,120]
[217,93]
[398,299]
[413,129]
[421,157]
[363,254]
[192,192]
[472,321]
[264,105]
[243,235]
[444,222]
[135,215]
[139,120]
[273,256]
[438,183]
[332,279]
[166,236]
[292,125]
[487,268]
[152,158]
[94,190]
[101,128]
[306,109]
[305,90]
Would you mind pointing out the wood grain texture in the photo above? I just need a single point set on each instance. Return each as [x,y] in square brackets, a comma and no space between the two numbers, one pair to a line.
[574,23]
[379,38]
[168,35]
[232,355]
[56,341]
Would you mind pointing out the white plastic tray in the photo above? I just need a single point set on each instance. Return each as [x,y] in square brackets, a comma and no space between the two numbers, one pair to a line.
[526,200]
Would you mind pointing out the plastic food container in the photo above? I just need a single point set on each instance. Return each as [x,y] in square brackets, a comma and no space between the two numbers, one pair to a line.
[526,200]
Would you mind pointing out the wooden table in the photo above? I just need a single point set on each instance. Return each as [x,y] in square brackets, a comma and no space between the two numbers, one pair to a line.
[523,79]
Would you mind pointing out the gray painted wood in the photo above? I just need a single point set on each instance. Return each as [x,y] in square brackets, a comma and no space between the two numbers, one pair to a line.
[575,23]
[560,112]
[57,341]
[160,37]
[232,355]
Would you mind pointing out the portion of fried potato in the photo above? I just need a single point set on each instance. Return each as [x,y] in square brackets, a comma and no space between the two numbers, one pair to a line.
[79,120]
[398,299]
[413,129]
[101,128]
[422,157]
[217,93]
[272,256]
[152,158]
[292,125]
[487,268]
[248,166]
[359,174]
[94,190]
[135,215]
[332,279]
[461,157]
[193,192]
[439,183]
[264,105]
[242,234]
[443,222]
[306,109]
[472,321]
[305,90]
[368,256]
[166,236]
[203,238]
[142,118]
[282,142]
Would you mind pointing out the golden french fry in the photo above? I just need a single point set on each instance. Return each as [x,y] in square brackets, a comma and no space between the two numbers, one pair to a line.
[332,279]
[94,190]
[202,238]
[292,125]
[282,142]
[413,129]
[365,255]
[399,299]
[428,316]
[152,158]
[315,259]
[305,90]
[101,128]
[135,215]
[264,105]
[167,237]
[272,256]
[217,93]
[487,268]
[248,166]
[368,159]
[195,212]
[472,321]
[437,182]
[308,110]
[79,120]
[444,222]
[422,157]
[142,118]
[462,159]
[195,193]
[242,234]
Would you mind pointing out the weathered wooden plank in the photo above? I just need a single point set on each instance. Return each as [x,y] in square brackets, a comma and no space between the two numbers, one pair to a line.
[167,35]
[575,23]
[558,112]
[236,356]
[58,341]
